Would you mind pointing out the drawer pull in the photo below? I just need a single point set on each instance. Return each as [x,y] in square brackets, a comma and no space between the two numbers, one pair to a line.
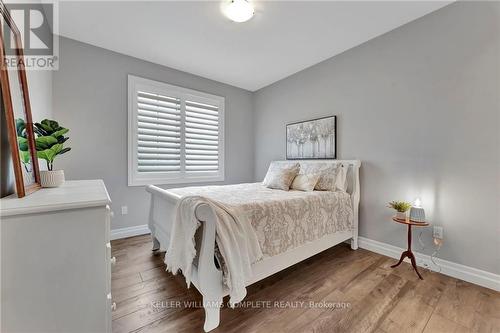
[108,245]
[108,296]
[113,306]
[113,260]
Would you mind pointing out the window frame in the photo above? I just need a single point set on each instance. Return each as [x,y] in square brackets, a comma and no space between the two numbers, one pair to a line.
[136,178]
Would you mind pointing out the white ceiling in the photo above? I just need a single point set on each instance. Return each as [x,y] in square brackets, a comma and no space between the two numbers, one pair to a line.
[283,38]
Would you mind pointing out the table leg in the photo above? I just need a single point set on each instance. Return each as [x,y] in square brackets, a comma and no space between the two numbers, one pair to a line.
[408,253]
[414,264]
[403,256]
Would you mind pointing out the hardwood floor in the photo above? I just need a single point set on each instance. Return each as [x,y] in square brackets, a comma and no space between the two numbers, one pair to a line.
[369,295]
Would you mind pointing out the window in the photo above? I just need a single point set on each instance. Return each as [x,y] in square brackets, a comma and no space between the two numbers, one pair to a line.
[175,135]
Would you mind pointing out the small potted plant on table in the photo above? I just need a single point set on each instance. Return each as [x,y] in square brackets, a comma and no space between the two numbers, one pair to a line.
[49,144]
[401,207]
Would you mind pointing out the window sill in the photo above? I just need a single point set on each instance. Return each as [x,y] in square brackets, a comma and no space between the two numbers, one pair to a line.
[174,181]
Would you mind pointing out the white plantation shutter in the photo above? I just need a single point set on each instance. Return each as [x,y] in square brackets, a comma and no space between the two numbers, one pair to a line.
[202,137]
[158,133]
[175,134]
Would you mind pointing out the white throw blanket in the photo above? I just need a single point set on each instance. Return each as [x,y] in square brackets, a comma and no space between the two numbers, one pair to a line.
[235,237]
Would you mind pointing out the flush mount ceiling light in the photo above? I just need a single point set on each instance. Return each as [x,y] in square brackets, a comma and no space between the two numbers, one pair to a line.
[238,10]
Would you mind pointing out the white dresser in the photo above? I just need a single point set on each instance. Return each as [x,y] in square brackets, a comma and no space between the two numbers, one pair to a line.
[55,260]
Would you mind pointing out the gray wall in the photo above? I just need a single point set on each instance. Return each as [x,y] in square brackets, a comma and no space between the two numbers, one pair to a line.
[420,107]
[40,89]
[90,94]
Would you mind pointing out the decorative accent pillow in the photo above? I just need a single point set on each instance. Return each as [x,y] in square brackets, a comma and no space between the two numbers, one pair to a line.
[328,175]
[280,176]
[305,182]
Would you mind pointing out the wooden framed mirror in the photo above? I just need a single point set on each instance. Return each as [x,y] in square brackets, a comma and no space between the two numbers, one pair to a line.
[16,108]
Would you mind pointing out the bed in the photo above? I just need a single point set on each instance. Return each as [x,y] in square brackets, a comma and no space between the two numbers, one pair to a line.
[281,221]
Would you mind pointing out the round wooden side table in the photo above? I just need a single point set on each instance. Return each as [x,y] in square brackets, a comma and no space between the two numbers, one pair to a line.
[408,253]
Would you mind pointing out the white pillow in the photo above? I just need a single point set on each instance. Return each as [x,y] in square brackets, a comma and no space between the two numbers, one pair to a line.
[280,176]
[333,176]
[327,172]
[305,182]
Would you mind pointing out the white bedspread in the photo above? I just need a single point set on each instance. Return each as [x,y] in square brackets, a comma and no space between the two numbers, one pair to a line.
[235,237]
[254,222]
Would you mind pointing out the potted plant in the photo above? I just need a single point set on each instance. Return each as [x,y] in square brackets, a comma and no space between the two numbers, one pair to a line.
[49,144]
[401,207]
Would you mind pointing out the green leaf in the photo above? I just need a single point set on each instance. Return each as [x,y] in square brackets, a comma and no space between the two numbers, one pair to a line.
[62,139]
[46,128]
[21,127]
[65,150]
[25,156]
[39,130]
[60,132]
[46,154]
[22,143]
[45,142]
[50,125]
[56,149]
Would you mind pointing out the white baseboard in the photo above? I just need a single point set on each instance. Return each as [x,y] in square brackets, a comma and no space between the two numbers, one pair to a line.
[462,272]
[129,232]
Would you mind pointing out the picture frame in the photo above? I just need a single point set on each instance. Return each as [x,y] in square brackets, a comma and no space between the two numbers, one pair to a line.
[17,108]
[312,139]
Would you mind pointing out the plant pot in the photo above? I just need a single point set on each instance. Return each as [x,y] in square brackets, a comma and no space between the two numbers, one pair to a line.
[401,215]
[53,178]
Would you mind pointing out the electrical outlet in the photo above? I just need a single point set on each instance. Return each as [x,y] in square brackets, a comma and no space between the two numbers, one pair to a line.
[124,210]
[437,232]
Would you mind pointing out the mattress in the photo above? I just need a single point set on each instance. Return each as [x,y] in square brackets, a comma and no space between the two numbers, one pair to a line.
[282,220]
